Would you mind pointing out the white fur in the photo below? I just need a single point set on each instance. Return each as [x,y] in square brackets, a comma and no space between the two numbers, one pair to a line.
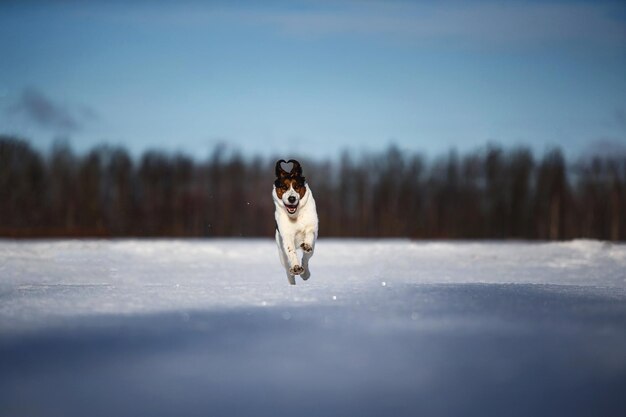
[295,231]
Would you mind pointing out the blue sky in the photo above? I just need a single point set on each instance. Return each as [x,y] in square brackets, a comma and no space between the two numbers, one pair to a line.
[313,78]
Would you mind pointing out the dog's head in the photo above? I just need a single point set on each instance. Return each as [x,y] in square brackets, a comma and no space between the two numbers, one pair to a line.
[290,186]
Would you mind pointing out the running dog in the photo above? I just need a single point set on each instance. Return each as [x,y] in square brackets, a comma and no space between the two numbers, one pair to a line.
[296,220]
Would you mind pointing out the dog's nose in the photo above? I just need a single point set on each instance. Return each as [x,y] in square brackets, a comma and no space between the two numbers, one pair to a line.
[292,199]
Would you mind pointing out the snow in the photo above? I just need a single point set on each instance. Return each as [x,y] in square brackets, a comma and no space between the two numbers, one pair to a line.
[211,327]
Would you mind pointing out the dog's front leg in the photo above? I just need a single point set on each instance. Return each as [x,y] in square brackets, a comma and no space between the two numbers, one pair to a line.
[309,243]
[305,264]
[283,258]
[290,250]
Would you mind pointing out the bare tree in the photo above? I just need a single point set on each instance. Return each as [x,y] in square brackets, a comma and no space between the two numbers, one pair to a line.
[492,193]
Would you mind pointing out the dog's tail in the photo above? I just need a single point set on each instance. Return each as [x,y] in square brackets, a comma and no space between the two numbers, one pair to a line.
[297,169]
[279,169]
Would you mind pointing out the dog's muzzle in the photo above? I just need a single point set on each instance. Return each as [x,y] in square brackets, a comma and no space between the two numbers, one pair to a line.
[291,208]
[291,204]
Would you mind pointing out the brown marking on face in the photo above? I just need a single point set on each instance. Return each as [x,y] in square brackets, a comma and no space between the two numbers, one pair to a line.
[283,184]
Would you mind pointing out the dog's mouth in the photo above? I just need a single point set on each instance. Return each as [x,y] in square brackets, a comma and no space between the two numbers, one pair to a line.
[291,208]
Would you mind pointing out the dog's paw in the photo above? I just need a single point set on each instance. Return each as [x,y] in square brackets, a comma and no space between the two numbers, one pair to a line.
[296,270]
[306,247]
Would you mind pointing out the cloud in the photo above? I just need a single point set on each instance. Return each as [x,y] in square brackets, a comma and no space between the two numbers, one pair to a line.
[606,147]
[35,107]
[475,22]
[481,22]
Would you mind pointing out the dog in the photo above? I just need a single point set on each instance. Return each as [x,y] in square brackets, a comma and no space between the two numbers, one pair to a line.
[296,220]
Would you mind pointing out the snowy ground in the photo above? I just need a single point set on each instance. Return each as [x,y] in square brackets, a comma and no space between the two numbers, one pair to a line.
[399,328]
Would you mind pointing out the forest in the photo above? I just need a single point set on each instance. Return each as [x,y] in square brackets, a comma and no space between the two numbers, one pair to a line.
[491,193]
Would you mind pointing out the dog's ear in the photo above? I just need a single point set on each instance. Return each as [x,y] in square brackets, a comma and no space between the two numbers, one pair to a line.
[297,169]
[280,172]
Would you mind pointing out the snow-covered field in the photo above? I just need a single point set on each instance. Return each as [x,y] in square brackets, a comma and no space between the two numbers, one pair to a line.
[399,328]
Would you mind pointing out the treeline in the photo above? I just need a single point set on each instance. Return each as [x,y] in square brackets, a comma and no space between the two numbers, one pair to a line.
[494,193]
